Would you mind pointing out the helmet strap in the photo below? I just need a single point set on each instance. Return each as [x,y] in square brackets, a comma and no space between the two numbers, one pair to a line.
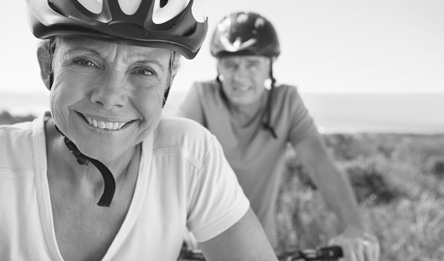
[52,47]
[266,121]
[219,83]
[170,77]
[108,178]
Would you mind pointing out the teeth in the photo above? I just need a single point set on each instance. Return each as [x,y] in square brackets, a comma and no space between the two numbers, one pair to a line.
[241,89]
[105,125]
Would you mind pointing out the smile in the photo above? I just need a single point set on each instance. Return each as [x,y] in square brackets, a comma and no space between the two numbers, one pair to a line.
[241,89]
[106,125]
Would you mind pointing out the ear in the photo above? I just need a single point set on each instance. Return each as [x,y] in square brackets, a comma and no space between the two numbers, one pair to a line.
[45,60]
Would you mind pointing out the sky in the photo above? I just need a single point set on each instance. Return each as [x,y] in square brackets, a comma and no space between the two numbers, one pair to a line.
[327,45]
[335,51]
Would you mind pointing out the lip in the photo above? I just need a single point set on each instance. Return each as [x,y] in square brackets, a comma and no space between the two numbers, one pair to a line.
[242,89]
[103,124]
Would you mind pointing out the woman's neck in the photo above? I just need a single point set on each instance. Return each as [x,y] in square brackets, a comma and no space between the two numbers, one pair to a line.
[65,162]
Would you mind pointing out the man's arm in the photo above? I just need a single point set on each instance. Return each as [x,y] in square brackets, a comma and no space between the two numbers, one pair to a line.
[336,191]
[334,187]
[243,241]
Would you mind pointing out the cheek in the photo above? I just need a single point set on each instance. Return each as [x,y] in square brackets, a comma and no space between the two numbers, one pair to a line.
[59,111]
[226,87]
[62,96]
[149,102]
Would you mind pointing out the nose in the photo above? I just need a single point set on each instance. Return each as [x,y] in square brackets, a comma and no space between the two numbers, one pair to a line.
[109,93]
[240,73]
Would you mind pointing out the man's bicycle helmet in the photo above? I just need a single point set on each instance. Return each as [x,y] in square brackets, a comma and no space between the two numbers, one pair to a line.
[169,24]
[245,33]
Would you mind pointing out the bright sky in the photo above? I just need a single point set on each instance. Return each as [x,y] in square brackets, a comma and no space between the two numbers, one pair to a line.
[327,45]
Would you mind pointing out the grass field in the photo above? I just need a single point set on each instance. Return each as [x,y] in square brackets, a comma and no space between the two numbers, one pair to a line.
[399,182]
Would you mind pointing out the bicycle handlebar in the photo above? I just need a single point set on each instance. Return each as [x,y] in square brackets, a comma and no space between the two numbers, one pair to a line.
[328,253]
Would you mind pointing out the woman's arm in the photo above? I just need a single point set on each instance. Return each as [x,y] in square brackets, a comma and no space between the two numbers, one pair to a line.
[245,241]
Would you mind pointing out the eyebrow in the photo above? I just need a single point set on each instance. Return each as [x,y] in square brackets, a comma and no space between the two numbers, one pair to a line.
[144,60]
[81,44]
[80,49]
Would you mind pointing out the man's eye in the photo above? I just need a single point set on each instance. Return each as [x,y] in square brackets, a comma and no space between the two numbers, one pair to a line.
[253,65]
[230,65]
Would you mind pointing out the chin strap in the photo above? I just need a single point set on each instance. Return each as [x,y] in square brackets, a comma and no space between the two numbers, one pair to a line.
[266,123]
[108,178]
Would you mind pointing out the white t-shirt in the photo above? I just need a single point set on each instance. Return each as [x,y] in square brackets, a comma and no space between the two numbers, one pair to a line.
[183,182]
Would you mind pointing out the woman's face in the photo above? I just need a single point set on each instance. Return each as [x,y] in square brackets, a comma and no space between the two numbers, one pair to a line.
[107,97]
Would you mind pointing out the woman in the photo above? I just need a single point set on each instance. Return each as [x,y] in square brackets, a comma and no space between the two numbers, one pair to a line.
[108,66]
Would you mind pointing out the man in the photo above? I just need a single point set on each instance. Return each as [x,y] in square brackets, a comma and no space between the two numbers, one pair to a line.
[255,120]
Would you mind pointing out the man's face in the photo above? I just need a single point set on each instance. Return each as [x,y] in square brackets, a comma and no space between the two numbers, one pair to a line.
[243,77]
[107,97]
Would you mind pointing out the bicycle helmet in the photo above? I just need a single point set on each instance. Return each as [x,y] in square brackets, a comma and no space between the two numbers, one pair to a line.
[169,24]
[245,33]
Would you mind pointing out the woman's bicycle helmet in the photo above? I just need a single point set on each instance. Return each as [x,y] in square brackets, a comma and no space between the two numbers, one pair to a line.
[245,33]
[169,24]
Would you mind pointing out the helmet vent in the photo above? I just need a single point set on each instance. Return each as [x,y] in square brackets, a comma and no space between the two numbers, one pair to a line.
[190,32]
[54,8]
[127,30]
[178,25]
[163,3]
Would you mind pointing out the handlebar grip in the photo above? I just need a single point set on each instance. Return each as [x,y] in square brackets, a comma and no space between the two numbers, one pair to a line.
[331,252]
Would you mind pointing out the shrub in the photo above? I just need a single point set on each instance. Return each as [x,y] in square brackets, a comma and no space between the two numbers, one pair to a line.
[370,186]
[294,168]
[435,166]
[438,169]
[341,145]
[7,118]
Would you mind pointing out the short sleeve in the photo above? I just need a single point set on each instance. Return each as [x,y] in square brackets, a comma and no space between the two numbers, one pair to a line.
[191,107]
[301,123]
[218,201]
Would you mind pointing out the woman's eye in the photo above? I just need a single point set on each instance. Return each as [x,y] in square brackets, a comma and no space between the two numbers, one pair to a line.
[84,62]
[145,71]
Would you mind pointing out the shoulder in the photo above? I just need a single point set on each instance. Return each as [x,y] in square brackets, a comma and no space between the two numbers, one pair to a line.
[285,90]
[172,127]
[177,135]
[205,84]
[16,144]
[287,96]
[205,88]
[15,134]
